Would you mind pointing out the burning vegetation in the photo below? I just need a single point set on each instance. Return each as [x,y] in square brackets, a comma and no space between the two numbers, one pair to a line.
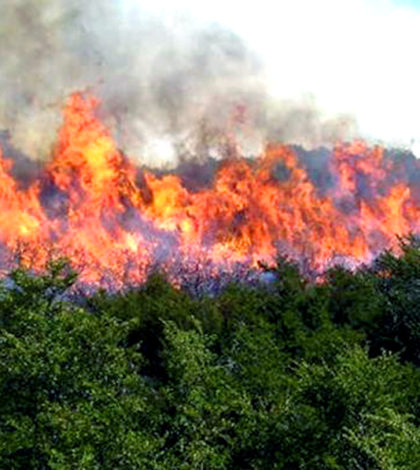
[116,222]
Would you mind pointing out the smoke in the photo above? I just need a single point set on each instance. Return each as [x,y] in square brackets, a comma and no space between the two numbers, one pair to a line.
[168,85]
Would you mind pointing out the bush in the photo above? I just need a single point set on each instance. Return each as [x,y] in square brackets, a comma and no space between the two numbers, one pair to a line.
[289,375]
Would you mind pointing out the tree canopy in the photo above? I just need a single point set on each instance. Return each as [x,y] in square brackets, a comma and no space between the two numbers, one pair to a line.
[287,374]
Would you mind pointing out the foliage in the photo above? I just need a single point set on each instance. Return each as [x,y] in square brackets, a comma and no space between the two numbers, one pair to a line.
[283,375]
[71,395]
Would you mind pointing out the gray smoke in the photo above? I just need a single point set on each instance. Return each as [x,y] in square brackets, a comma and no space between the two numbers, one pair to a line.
[167,85]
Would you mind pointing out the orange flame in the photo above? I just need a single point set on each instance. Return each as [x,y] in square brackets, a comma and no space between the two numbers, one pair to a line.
[89,205]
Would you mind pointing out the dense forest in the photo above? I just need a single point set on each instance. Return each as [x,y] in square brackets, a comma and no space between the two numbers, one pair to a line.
[285,374]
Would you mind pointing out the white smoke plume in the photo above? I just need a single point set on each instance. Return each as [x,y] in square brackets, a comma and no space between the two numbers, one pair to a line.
[163,81]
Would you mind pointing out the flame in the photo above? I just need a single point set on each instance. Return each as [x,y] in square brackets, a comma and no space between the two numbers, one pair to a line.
[92,205]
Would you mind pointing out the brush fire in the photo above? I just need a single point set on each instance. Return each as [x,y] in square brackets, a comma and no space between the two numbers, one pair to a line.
[117,221]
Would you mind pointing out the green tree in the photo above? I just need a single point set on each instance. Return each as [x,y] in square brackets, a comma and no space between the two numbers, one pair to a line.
[71,393]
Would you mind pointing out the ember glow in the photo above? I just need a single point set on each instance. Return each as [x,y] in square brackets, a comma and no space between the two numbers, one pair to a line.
[116,222]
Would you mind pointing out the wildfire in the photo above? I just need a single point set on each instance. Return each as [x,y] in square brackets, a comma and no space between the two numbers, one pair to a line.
[91,205]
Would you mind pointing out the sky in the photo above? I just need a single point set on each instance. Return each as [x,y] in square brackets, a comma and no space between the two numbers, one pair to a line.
[359,56]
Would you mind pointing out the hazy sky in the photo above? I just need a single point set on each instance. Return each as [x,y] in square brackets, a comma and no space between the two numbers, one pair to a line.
[356,56]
